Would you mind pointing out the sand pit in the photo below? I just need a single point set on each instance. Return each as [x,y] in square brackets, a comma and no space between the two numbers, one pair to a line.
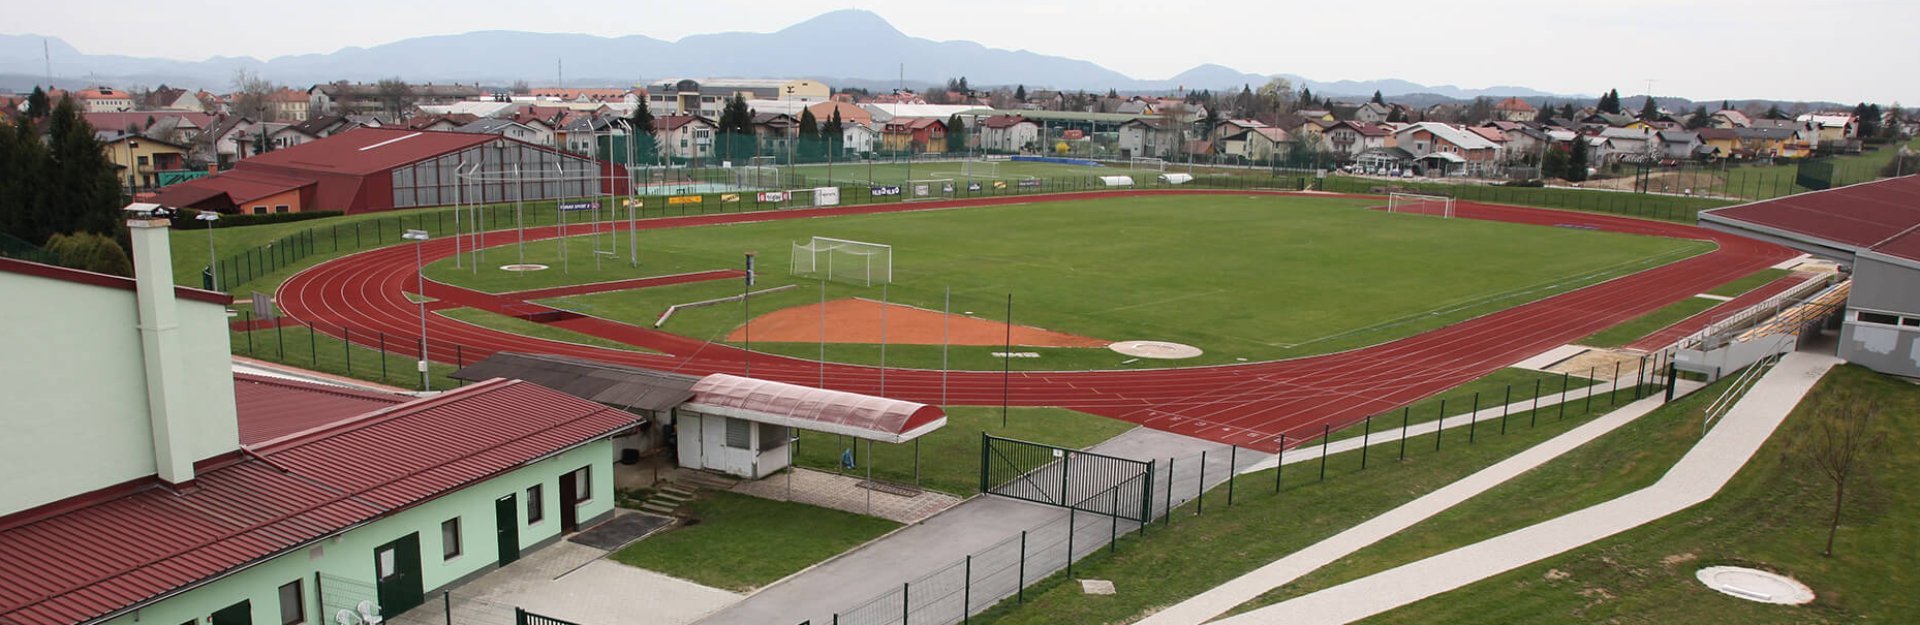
[858,321]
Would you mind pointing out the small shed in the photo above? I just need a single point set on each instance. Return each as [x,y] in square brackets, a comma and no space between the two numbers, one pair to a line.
[744,426]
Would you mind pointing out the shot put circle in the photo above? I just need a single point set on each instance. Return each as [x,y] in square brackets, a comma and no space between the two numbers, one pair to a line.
[1161,350]
[1755,585]
[523,267]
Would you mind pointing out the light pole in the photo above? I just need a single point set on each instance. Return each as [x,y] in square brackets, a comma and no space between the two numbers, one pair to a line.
[419,238]
[213,262]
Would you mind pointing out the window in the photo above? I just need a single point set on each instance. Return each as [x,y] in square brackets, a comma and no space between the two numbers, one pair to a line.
[739,433]
[293,606]
[536,509]
[583,485]
[450,539]
[143,160]
[280,208]
[259,210]
[1874,317]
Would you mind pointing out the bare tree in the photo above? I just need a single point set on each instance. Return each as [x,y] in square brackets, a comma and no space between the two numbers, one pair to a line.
[250,95]
[395,95]
[1276,98]
[1838,445]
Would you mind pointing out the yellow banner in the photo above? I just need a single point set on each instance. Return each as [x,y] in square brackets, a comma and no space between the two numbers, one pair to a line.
[999,184]
[633,203]
[729,197]
[684,199]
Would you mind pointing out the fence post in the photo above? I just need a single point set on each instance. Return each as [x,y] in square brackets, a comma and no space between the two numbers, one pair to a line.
[1366,434]
[1169,515]
[1113,539]
[383,357]
[1405,413]
[1326,434]
[1072,522]
[279,340]
[1020,583]
[346,348]
[1564,378]
[1440,427]
[313,345]
[1588,408]
[1233,460]
[247,322]
[1473,418]
[1673,373]
[1279,464]
[1200,491]
[1640,379]
[1506,405]
[966,594]
[1533,417]
[446,601]
[906,601]
[1613,395]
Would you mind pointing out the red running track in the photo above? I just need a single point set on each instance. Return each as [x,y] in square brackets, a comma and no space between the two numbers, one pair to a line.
[1250,405]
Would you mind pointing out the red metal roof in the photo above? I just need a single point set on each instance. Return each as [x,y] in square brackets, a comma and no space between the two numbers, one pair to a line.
[368,150]
[271,408]
[809,408]
[52,272]
[239,186]
[98,554]
[1879,216]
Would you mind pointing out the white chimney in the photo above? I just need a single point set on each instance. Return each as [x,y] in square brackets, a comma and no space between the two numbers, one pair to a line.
[147,224]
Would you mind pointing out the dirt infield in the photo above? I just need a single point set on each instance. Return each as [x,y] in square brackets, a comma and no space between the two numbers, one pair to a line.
[858,321]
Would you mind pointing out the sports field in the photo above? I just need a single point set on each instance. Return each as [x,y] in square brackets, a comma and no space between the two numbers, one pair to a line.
[981,171]
[1242,278]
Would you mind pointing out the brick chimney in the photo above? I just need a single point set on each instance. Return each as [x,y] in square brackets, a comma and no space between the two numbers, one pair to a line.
[160,346]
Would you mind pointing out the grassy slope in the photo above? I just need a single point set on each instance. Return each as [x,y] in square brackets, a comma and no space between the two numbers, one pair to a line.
[1134,269]
[296,346]
[1749,282]
[1771,516]
[1632,329]
[741,542]
[517,325]
[950,456]
[1200,552]
[1493,390]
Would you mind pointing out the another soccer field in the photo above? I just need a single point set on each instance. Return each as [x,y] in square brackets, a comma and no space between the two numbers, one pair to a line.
[893,173]
[1243,278]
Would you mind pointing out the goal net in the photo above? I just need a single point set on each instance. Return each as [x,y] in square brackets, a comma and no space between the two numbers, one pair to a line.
[981,169]
[757,177]
[941,189]
[1437,205]
[763,161]
[841,260]
[1148,162]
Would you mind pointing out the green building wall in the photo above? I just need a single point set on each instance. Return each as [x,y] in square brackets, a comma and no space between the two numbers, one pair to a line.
[350,556]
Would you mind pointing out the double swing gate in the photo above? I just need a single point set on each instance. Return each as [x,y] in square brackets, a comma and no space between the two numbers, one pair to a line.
[1068,478]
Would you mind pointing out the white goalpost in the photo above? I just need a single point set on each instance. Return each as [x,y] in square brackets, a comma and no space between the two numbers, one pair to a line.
[757,176]
[1437,205]
[1147,162]
[980,169]
[841,260]
[763,161]
[938,189]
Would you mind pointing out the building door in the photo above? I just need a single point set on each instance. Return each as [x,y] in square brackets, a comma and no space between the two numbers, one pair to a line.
[569,498]
[396,574]
[237,614]
[506,523]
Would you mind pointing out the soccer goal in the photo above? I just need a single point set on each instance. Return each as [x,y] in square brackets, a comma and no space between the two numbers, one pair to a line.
[941,189]
[757,177]
[763,161]
[1437,205]
[841,260]
[1148,162]
[981,169]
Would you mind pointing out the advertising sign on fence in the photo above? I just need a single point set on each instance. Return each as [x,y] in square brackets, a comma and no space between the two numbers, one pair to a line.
[1030,183]
[633,203]
[579,206]
[999,184]
[826,196]
[729,198]
[773,196]
[885,191]
[973,186]
[684,199]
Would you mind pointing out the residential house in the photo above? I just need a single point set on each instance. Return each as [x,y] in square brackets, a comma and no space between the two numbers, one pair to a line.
[1680,145]
[508,128]
[1609,120]
[923,135]
[775,133]
[139,159]
[1448,149]
[323,126]
[1231,127]
[1349,138]
[1007,133]
[1261,144]
[227,142]
[1773,142]
[343,97]
[1514,110]
[849,113]
[707,97]
[440,123]
[1728,118]
[1150,137]
[1718,142]
[288,135]
[172,126]
[592,135]
[167,98]
[1371,112]
[1633,145]
[1833,130]
[684,137]
[1523,143]
[288,105]
[103,100]
[857,138]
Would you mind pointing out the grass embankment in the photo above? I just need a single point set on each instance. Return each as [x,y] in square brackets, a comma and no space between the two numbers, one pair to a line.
[950,456]
[1199,552]
[1492,390]
[1109,269]
[740,543]
[517,325]
[1633,329]
[318,351]
[1773,516]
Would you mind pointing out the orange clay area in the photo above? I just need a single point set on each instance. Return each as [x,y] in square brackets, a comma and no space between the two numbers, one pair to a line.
[858,321]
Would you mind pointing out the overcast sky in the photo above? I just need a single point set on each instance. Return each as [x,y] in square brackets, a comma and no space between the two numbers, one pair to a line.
[1842,50]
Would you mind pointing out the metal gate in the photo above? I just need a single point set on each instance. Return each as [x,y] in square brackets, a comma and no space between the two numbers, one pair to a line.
[1068,478]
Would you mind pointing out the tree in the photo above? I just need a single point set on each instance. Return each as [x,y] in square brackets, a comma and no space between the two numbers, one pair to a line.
[91,252]
[1838,445]
[1478,112]
[836,133]
[956,134]
[1699,118]
[1377,99]
[1274,99]
[1726,105]
[61,185]
[250,95]
[646,148]
[1576,168]
[395,95]
[809,135]
[1543,114]
[1019,95]
[1868,117]
[1566,110]
[1609,102]
[37,104]
[1649,109]
[1773,112]
[1306,97]
[1553,164]
[1397,116]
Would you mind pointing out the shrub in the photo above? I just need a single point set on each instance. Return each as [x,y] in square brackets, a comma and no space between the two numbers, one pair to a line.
[91,252]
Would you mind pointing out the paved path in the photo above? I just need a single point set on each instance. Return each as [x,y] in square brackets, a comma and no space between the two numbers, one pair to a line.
[1694,479]
[843,492]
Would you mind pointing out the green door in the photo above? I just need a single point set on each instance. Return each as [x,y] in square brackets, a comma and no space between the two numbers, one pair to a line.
[396,568]
[237,614]
[506,523]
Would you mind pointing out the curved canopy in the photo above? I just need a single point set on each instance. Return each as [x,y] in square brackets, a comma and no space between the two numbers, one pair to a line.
[807,408]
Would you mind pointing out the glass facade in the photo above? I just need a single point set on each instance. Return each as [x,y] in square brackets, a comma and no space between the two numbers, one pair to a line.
[435,182]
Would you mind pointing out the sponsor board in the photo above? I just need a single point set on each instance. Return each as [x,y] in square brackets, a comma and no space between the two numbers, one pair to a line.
[884,191]
[684,199]
[579,206]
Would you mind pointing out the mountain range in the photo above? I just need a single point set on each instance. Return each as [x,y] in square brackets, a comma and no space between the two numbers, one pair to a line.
[862,49]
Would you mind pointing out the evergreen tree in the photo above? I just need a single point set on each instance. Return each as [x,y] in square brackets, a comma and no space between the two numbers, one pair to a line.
[1397,116]
[1553,164]
[1649,110]
[24,189]
[1111,93]
[37,104]
[1377,99]
[956,134]
[1306,97]
[1773,112]
[646,147]
[1566,110]
[835,131]
[1726,105]
[736,129]
[1543,114]
[1577,160]
[1019,95]
[1609,102]
[1699,118]
[88,194]
[809,132]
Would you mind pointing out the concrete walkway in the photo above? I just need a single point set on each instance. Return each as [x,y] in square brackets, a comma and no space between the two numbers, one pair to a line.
[1694,479]
[949,537]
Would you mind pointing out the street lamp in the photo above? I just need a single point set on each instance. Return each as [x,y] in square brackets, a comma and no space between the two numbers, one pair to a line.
[419,238]
[213,262]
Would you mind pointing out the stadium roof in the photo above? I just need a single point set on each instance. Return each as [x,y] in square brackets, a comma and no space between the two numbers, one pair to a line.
[808,408]
[270,408]
[369,150]
[1881,217]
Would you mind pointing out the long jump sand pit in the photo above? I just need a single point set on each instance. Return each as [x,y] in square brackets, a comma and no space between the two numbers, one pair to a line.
[858,321]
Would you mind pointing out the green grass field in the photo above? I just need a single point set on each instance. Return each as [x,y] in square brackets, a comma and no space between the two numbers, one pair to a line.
[950,456]
[1492,389]
[741,543]
[1771,516]
[517,325]
[1242,278]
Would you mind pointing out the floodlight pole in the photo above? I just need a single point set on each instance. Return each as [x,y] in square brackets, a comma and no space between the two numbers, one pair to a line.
[419,238]
[213,259]
[746,314]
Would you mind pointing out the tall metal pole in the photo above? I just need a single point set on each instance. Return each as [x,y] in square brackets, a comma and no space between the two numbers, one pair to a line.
[746,314]
[946,339]
[419,238]
[823,333]
[883,339]
[1006,364]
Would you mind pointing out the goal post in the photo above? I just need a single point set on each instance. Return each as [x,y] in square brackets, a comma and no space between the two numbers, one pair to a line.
[842,260]
[763,161]
[981,169]
[1147,162]
[938,189]
[1436,205]
[757,176]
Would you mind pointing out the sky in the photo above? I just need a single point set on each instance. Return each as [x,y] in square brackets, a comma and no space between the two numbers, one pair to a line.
[1839,50]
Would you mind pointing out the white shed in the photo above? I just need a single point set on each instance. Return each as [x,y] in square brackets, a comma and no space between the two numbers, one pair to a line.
[743,426]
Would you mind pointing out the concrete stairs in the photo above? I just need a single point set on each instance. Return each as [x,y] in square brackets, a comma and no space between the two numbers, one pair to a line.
[666,500]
